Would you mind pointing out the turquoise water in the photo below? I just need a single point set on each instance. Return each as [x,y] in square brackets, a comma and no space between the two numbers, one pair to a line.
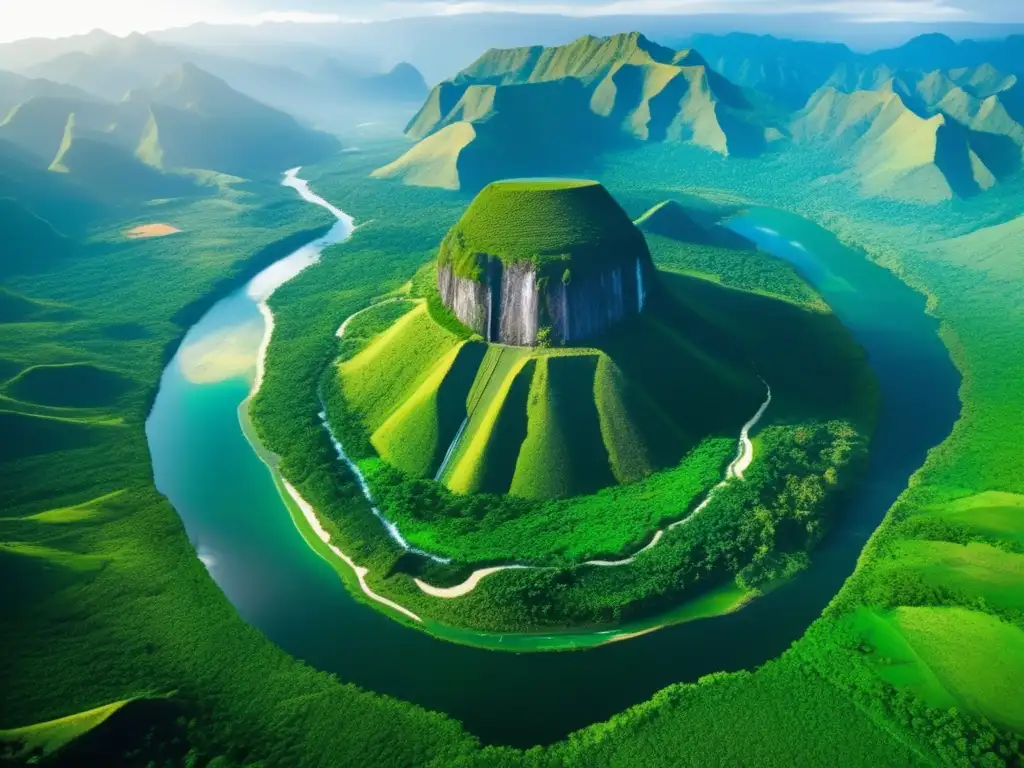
[243,532]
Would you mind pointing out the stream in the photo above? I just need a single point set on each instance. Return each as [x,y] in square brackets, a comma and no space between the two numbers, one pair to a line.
[244,533]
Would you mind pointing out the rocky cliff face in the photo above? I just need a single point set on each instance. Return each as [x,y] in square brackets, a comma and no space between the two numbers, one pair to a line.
[510,306]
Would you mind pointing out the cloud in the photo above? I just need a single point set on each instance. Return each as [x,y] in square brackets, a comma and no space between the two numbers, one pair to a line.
[297,17]
[875,10]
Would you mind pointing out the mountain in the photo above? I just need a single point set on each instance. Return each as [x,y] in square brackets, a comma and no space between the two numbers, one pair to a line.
[113,67]
[196,120]
[466,36]
[402,84]
[96,161]
[921,136]
[94,144]
[38,124]
[591,94]
[789,71]
[22,54]
[578,369]
[495,131]
[188,120]
[938,51]
[50,196]
[16,89]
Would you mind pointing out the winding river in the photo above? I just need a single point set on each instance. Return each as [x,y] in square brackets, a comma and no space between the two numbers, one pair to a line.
[242,530]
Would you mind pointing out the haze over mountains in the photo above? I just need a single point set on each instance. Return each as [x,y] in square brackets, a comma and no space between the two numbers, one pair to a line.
[188,120]
[326,91]
[916,134]
[96,119]
[467,36]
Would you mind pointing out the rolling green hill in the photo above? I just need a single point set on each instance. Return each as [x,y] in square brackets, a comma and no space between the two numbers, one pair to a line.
[30,243]
[51,196]
[608,90]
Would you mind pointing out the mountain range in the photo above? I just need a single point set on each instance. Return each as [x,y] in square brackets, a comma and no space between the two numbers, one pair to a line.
[908,134]
[134,149]
[109,67]
[570,102]
[467,36]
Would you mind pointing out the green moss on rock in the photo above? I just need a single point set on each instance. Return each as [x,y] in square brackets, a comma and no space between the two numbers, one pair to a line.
[558,225]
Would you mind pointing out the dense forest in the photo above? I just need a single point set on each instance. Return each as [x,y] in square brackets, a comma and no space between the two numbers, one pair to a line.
[149,620]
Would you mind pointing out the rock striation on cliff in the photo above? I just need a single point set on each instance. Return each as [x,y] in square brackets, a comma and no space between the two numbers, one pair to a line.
[539,262]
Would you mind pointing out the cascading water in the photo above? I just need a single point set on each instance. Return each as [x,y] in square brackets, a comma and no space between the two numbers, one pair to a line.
[639,286]
[565,311]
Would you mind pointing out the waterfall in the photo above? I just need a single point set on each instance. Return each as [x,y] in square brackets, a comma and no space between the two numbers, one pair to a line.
[640,294]
[490,310]
[528,309]
[565,314]
[616,302]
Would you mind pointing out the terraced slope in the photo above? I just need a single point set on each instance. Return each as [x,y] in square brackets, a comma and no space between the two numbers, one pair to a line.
[493,439]
[549,422]
[382,377]
[564,452]
[30,243]
[417,434]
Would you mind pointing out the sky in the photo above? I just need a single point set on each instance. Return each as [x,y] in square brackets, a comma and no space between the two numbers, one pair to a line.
[59,18]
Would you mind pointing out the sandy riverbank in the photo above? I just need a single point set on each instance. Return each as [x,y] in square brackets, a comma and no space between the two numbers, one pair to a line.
[150,230]
[314,522]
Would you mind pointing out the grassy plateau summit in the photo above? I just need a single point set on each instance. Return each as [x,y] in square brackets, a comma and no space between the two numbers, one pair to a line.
[540,262]
[551,359]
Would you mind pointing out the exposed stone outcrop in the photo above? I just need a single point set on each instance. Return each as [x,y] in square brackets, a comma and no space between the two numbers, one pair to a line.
[543,261]
[511,305]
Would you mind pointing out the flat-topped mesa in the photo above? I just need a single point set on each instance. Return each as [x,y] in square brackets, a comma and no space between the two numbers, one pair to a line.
[543,262]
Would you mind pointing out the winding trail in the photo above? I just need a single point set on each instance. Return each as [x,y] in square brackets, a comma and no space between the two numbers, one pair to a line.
[736,468]
[746,449]
[262,288]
